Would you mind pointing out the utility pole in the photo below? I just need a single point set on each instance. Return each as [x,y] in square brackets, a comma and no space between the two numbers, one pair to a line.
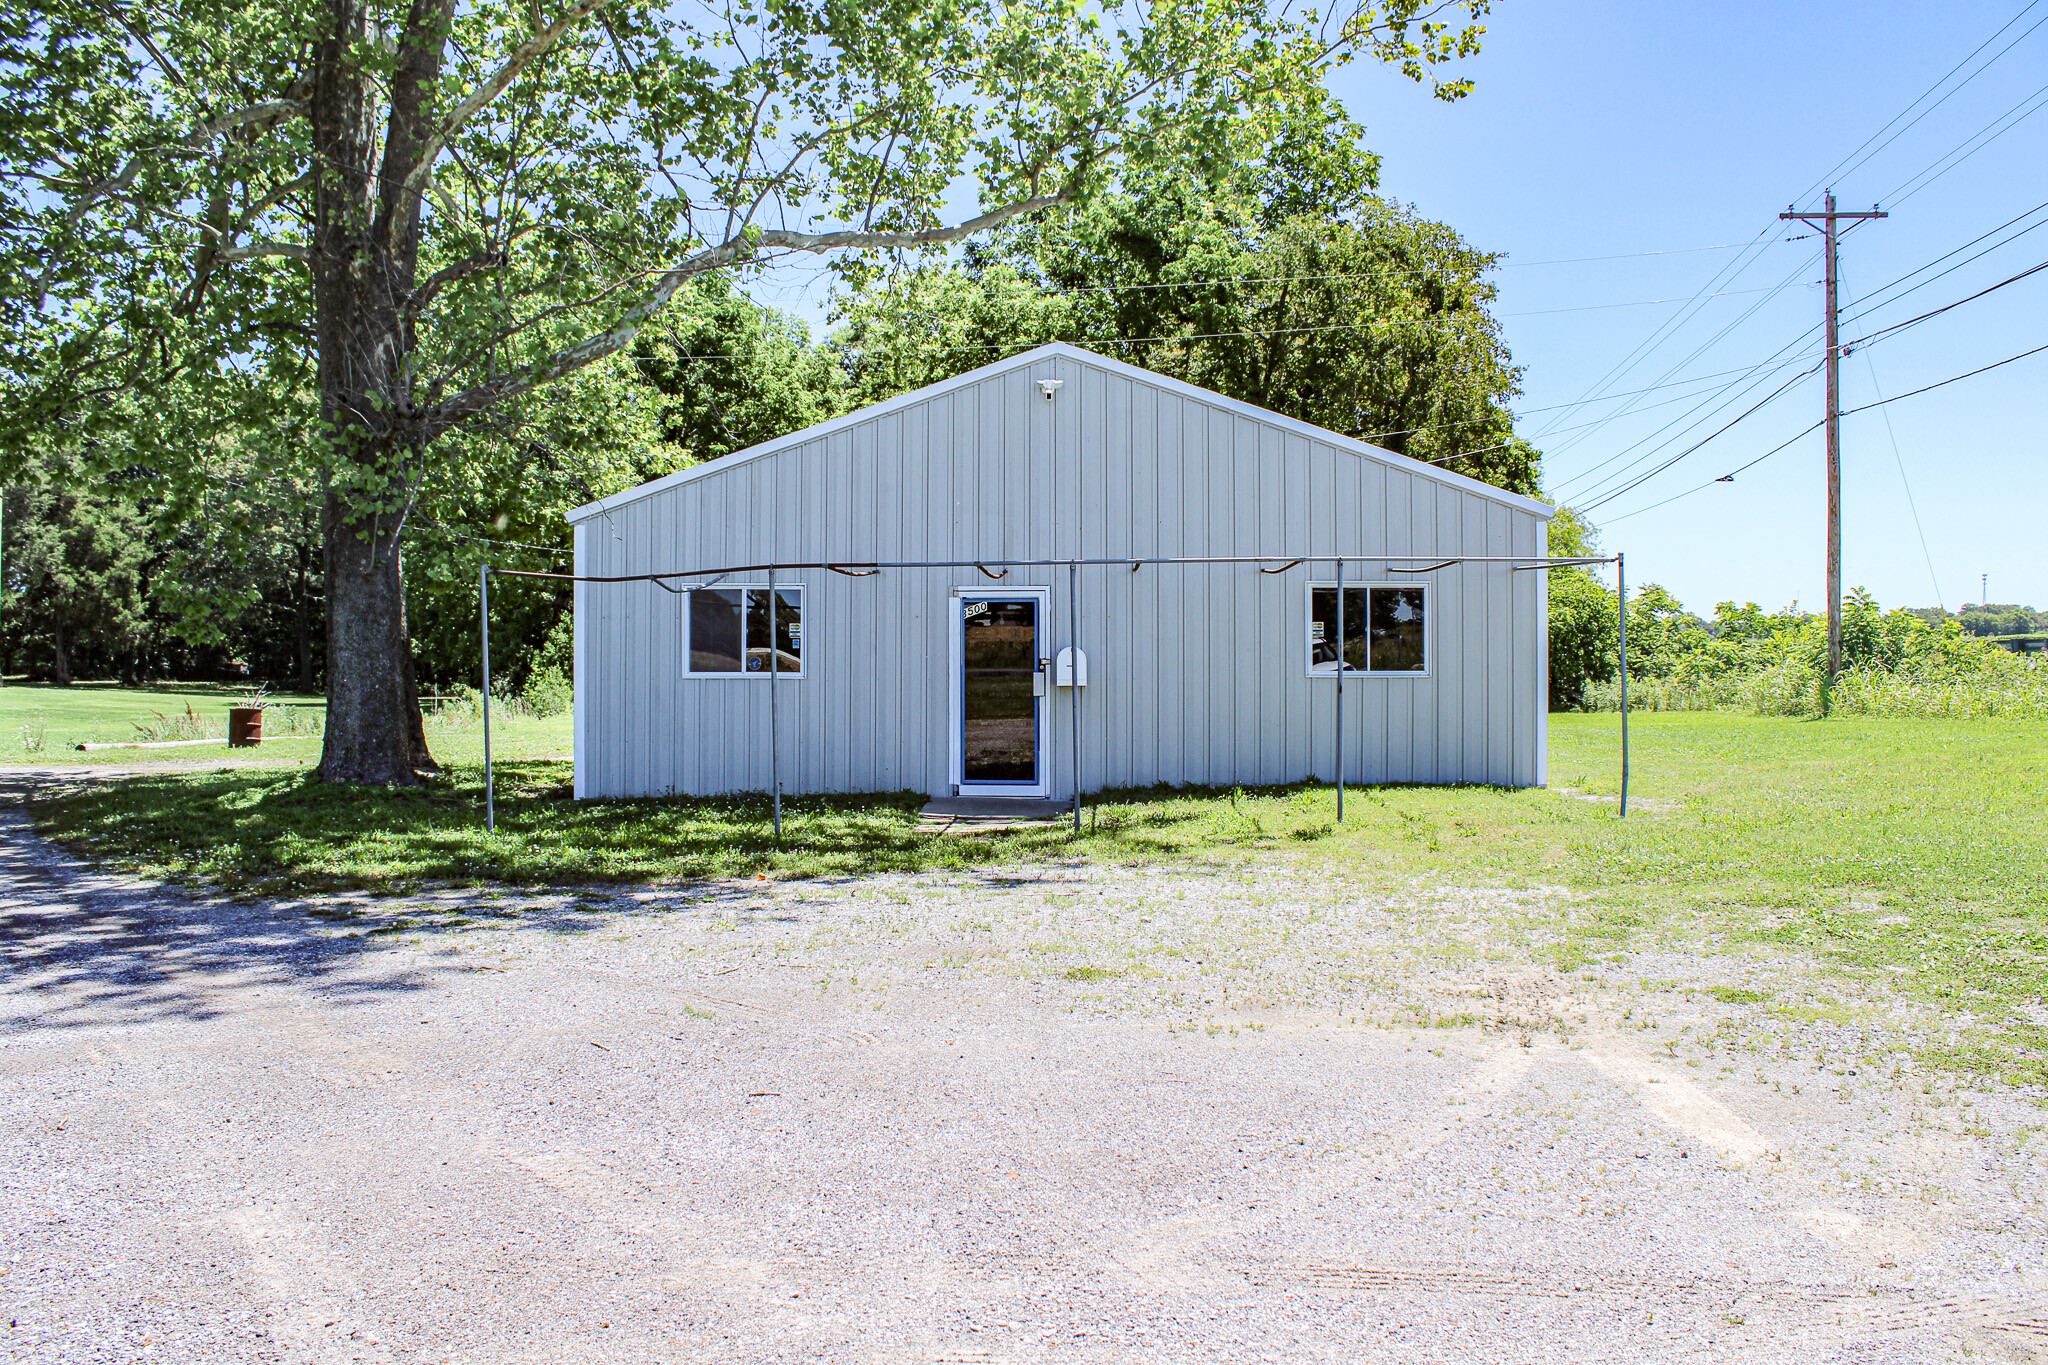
[1827,218]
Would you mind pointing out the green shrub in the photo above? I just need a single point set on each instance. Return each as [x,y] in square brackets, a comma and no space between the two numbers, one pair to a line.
[1895,664]
[1583,631]
[547,693]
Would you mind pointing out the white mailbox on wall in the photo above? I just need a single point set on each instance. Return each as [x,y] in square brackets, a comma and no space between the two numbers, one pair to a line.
[1071,668]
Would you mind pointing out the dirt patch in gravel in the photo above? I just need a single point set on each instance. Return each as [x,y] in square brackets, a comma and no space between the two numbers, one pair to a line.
[1054,1114]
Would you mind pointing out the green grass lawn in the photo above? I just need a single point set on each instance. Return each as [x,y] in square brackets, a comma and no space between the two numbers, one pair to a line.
[42,725]
[1911,849]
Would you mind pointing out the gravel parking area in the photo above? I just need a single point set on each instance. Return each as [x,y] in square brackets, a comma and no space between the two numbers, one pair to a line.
[1059,1114]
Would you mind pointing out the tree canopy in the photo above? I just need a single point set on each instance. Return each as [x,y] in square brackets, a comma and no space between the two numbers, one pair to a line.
[1279,277]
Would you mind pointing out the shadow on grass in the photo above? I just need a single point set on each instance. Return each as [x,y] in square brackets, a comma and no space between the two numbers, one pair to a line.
[280,833]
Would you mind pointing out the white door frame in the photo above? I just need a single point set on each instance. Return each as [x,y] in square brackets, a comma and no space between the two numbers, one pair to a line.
[956,687]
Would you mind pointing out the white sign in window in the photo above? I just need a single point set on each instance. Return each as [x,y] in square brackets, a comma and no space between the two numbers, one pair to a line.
[1386,628]
[728,632]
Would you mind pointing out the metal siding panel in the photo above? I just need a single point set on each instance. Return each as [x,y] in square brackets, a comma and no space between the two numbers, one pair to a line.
[1500,663]
[1441,530]
[1140,660]
[1170,590]
[1284,604]
[579,652]
[1471,531]
[1345,491]
[874,633]
[660,722]
[1377,709]
[1265,637]
[634,528]
[1109,707]
[1199,501]
[838,702]
[930,704]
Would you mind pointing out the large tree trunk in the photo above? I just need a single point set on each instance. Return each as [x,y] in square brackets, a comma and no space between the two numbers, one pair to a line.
[367,737]
[363,256]
[60,673]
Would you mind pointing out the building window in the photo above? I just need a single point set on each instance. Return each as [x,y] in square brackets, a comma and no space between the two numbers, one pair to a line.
[729,631]
[1386,628]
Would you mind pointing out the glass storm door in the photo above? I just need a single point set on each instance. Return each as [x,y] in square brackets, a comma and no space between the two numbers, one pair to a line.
[1002,687]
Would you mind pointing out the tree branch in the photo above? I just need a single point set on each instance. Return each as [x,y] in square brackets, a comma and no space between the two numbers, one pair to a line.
[256,250]
[522,57]
[449,274]
[119,182]
[489,394]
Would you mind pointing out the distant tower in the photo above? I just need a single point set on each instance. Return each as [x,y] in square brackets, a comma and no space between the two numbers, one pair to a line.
[1984,590]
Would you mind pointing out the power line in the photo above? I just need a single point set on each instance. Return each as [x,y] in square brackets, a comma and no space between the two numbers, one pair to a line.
[2018,116]
[1796,272]
[1729,477]
[1707,404]
[1376,274]
[1868,305]
[1937,312]
[1871,301]
[1711,404]
[1843,169]
[1663,331]
[1643,478]
[1882,402]
[1745,370]
[1952,379]
[1854,160]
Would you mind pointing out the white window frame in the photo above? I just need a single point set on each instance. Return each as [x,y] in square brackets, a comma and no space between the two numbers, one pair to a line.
[802,613]
[1308,621]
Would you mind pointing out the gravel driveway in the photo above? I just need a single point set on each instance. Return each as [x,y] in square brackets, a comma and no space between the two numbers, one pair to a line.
[917,1119]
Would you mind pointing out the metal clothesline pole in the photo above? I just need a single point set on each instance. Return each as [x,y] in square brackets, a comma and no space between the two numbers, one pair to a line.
[484,617]
[774,677]
[1073,679]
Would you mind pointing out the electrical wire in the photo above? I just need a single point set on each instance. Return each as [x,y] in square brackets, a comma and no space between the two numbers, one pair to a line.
[1374,274]
[1843,168]
[1944,383]
[1868,305]
[1640,479]
[1846,412]
[1937,312]
[1858,157]
[2039,99]
[1607,495]
[1907,484]
[1663,331]
[1872,301]
[1707,404]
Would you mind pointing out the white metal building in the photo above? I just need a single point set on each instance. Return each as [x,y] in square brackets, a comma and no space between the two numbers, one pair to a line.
[949,680]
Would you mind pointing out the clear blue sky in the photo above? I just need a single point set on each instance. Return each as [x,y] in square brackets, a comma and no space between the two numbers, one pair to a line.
[1604,128]
[1608,129]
